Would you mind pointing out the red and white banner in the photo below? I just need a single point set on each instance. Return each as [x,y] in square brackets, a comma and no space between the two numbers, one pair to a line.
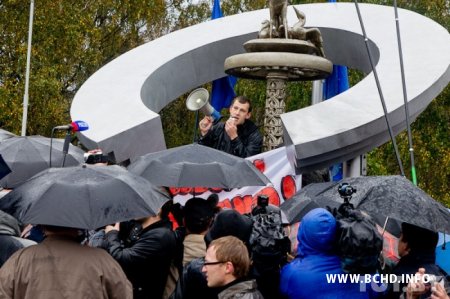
[274,164]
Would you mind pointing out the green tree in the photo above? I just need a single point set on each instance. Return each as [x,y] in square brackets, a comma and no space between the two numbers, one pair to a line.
[71,40]
[74,38]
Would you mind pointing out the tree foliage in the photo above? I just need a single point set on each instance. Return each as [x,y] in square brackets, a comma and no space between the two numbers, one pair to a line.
[74,38]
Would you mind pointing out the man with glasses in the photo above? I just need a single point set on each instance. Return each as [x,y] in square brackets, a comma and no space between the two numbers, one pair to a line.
[226,266]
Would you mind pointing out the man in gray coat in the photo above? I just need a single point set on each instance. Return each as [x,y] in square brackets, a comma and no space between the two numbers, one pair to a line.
[226,266]
[10,237]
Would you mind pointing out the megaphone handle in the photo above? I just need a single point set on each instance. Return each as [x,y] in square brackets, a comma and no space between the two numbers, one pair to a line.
[195,126]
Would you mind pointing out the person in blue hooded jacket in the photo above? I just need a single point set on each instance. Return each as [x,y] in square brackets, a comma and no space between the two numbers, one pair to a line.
[306,275]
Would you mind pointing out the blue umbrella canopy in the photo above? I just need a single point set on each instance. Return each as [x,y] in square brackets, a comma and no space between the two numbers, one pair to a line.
[4,168]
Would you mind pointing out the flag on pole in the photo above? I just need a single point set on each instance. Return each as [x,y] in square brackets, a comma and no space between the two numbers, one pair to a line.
[223,88]
[336,83]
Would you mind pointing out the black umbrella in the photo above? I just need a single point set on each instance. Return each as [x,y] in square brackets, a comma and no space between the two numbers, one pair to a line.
[29,155]
[6,134]
[4,168]
[86,197]
[305,200]
[196,165]
[379,196]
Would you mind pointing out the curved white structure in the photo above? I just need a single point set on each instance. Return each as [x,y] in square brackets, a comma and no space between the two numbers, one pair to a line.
[121,101]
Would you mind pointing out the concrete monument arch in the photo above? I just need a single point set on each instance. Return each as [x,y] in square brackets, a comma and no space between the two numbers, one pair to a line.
[121,101]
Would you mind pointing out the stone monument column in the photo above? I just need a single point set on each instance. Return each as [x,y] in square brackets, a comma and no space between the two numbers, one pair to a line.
[280,54]
[275,106]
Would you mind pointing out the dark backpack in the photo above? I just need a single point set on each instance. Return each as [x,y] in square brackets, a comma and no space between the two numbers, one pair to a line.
[358,241]
[268,249]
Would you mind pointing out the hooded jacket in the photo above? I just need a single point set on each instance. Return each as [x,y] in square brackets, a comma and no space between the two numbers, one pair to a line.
[9,237]
[241,290]
[248,143]
[306,275]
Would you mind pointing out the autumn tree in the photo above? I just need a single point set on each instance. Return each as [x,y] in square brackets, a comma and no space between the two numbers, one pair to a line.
[74,38]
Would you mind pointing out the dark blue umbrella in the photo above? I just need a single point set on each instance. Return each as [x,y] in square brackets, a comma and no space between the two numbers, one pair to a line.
[4,169]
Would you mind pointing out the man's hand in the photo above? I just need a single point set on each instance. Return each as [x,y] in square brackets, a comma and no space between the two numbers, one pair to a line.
[109,228]
[231,129]
[438,292]
[205,125]
[417,288]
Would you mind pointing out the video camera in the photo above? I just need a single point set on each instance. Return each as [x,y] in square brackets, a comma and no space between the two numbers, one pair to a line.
[262,202]
[94,158]
[345,190]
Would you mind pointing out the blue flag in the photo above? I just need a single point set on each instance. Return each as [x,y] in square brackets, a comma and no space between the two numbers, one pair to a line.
[222,89]
[336,83]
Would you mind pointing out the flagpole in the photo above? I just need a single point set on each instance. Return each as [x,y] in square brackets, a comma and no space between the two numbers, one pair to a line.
[405,97]
[27,72]
[383,103]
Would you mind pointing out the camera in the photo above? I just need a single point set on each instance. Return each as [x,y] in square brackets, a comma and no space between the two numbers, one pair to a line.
[262,202]
[94,158]
[346,190]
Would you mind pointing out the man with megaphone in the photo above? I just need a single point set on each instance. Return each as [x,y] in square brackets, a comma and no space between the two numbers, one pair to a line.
[238,136]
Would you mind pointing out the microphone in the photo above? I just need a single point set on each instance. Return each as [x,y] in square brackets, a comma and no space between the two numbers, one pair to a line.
[75,126]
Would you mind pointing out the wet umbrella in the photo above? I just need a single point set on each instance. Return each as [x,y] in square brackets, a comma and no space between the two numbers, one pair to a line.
[4,168]
[305,200]
[29,155]
[196,165]
[6,134]
[379,196]
[86,197]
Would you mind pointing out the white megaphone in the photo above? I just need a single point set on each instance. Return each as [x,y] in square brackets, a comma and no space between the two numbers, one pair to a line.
[198,100]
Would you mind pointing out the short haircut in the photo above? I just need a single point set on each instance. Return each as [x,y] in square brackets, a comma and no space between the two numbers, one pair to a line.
[243,100]
[231,249]
[419,238]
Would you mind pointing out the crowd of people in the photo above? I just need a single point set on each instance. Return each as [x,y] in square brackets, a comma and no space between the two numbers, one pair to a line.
[208,256]
[201,251]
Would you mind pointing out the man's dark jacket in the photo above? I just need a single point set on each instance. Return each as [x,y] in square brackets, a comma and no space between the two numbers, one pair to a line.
[248,143]
[146,258]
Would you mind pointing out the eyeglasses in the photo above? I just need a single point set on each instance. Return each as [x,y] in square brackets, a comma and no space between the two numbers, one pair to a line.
[212,263]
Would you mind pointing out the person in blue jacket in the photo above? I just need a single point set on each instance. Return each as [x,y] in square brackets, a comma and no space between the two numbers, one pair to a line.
[306,275]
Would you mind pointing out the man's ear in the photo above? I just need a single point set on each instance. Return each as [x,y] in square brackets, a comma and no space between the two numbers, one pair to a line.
[248,115]
[229,268]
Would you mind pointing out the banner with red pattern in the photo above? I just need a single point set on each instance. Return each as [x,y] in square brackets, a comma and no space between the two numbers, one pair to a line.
[274,164]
